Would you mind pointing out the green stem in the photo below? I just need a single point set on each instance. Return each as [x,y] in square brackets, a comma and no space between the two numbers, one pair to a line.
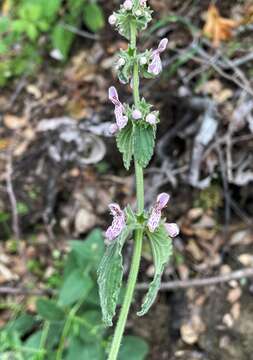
[128,296]
[138,233]
[66,330]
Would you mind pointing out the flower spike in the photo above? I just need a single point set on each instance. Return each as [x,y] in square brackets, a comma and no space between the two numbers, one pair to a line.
[155,67]
[118,223]
[121,119]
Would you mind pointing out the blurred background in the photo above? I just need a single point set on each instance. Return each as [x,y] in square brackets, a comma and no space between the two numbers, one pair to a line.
[60,169]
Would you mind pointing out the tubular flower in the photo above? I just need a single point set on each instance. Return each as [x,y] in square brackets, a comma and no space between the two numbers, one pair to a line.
[128,4]
[172,229]
[156,211]
[118,223]
[121,119]
[155,67]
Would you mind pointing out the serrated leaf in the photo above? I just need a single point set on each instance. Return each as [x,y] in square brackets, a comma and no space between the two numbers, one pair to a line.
[161,245]
[110,273]
[125,144]
[144,142]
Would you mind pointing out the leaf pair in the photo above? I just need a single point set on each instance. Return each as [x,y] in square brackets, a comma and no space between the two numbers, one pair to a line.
[110,272]
[136,140]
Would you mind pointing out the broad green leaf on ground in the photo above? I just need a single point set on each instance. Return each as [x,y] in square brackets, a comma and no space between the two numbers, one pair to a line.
[49,310]
[93,17]
[133,348]
[90,326]
[161,245]
[144,142]
[22,324]
[125,144]
[110,273]
[77,350]
[62,40]
[91,249]
[76,287]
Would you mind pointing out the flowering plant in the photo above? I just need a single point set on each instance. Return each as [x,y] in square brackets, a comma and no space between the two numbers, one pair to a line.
[135,131]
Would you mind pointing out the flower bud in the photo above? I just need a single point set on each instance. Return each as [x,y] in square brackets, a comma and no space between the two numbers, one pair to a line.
[138,13]
[143,60]
[128,5]
[136,114]
[121,62]
[112,19]
[151,119]
[172,229]
[143,2]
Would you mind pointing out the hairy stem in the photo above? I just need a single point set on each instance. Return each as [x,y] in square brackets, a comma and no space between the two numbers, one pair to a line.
[139,233]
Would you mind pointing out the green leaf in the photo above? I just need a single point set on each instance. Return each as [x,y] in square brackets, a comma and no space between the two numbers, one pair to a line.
[144,142]
[161,245]
[22,324]
[62,40]
[76,286]
[133,348]
[91,249]
[49,310]
[91,328]
[110,273]
[93,17]
[125,144]
[77,350]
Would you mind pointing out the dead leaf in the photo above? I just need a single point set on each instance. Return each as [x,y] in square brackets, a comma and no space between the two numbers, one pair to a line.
[228,320]
[218,28]
[246,259]
[236,310]
[234,295]
[14,122]
[189,334]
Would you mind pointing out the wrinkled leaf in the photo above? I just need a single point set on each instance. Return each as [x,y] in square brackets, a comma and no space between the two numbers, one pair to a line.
[110,273]
[161,245]
[125,144]
[144,142]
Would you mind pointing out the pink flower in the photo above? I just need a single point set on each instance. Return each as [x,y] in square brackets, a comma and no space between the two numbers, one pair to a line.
[118,223]
[151,119]
[121,119]
[136,114]
[172,229]
[156,212]
[155,67]
[143,2]
[112,19]
[128,4]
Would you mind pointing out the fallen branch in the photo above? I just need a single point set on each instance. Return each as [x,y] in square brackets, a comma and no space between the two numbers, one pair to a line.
[24,291]
[184,284]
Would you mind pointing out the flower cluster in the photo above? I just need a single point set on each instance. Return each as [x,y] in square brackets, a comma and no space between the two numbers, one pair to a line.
[131,10]
[123,112]
[154,220]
